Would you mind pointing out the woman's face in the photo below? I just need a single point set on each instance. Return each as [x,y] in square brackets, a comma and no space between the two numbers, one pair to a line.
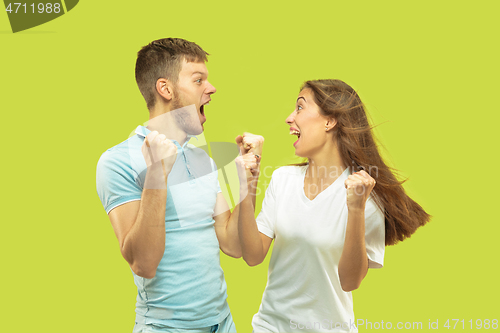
[308,124]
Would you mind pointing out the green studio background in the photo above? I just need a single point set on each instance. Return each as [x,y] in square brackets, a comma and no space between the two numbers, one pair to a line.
[426,70]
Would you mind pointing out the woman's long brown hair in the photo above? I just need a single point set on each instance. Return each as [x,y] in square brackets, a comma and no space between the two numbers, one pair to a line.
[357,148]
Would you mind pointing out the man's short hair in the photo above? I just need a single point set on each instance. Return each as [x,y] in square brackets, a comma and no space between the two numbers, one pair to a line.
[163,58]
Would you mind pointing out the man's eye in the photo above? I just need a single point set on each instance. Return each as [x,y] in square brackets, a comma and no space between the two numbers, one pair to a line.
[198,81]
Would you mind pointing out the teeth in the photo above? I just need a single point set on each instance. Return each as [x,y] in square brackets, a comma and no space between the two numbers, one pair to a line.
[294,132]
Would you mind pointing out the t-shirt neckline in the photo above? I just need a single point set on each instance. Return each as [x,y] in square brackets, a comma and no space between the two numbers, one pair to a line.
[344,174]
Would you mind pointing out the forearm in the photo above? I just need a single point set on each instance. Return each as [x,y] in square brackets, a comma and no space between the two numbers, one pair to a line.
[250,240]
[232,246]
[144,244]
[353,264]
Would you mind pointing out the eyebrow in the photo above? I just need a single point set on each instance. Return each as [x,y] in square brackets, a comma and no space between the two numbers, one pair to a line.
[302,98]
[201,73]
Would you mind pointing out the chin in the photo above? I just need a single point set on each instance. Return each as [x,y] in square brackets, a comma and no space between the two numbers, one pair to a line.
[195,130]
[300,153]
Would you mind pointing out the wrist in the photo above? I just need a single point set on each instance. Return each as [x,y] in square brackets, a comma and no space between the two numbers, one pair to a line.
[155,177]
[358,209]
[249,182]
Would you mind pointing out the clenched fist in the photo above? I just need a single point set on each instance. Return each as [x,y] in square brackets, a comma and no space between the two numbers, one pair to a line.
[160,154]
[359,186]
[248,167]
[250,143]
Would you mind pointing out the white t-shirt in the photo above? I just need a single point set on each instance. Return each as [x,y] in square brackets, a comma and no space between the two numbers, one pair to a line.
[303,292]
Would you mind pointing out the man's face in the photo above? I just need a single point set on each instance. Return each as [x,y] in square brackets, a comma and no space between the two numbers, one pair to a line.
[191,93]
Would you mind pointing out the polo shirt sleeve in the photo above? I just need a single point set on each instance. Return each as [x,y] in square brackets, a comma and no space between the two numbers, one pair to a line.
[374,234]
[116,181]
[266,219]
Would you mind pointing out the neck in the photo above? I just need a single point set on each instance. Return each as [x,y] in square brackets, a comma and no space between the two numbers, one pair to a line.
[164,123]
[326,164]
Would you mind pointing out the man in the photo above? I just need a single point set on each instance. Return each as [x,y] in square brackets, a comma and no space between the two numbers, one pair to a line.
[163,198]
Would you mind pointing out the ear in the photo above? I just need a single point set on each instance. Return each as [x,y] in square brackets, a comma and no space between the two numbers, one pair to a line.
[330,123]
[165,89]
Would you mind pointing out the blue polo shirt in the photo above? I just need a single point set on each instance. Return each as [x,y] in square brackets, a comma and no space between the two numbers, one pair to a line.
[188,290]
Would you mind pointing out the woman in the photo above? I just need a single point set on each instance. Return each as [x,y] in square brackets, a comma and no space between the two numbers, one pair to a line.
[330,217]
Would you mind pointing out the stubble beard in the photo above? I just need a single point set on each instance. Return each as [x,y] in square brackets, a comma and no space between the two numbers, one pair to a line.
[184,118]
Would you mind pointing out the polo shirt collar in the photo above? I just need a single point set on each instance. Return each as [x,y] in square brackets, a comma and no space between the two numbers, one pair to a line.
[144,131]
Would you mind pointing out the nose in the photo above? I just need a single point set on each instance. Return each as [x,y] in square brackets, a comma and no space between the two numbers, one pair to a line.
[291,118]
[210,89]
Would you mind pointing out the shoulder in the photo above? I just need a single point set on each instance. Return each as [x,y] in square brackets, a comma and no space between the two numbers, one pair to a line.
[289,171]
[121,156]
[285,174]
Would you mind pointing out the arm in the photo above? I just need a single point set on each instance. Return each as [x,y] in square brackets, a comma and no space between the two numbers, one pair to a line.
[353,265]
[140,229]
[226,222]
[254,245]
[140,225]
[226,227]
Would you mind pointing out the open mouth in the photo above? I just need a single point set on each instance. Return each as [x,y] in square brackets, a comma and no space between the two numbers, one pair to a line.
[202,108]
[297,133]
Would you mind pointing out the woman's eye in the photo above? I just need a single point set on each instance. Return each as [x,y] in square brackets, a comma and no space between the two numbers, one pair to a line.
[299,107]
